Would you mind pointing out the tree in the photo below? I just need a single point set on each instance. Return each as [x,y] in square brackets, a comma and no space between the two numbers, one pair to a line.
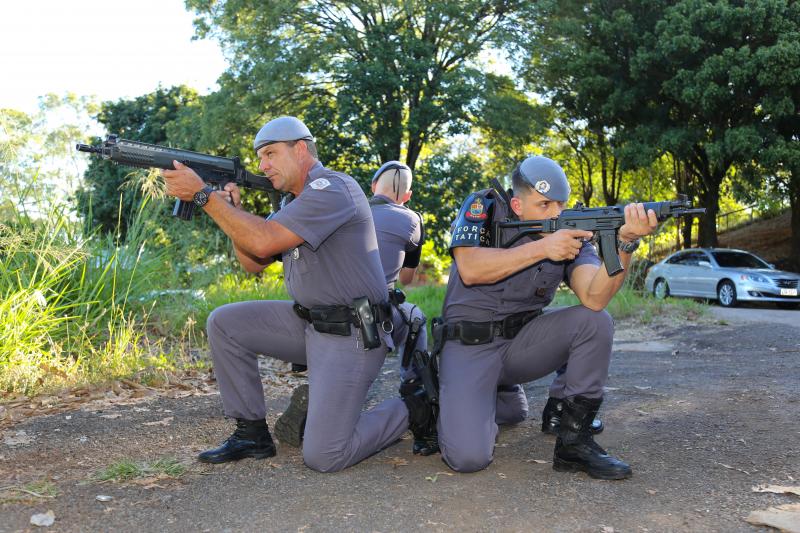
[392,77]
[677,77]
[39,162]
[102,200]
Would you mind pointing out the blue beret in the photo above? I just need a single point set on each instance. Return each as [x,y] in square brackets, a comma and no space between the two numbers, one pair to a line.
[281,129]
[546,177]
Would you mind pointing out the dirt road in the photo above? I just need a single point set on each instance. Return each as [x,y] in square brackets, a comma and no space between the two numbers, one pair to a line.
[702,411]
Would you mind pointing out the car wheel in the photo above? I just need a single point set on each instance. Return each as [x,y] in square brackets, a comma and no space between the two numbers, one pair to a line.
[660,289]
[788,305]
[726,294]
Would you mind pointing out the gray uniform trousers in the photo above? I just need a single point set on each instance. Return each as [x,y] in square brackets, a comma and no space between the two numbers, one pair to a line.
[338,434]
[400,333]
[469,377]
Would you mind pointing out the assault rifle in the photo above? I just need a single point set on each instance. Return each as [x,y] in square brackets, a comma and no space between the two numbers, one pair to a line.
[604,222]
[215,171]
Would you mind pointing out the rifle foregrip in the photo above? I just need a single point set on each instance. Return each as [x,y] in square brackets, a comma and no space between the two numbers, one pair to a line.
[608,249]
[183,210]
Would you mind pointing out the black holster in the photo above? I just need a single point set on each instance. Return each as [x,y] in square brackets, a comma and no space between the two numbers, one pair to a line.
[337,319]
[414,328]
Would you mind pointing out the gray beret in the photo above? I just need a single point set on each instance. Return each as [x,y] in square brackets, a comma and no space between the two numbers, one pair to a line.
[546,177]
[389,165]
[281,129]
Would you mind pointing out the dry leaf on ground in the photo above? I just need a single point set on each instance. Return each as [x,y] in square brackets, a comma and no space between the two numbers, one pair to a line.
[163,422]
[783,517]
[777,489]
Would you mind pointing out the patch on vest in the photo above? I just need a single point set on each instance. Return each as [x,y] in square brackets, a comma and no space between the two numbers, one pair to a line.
[319,183]
[542,186]
[477,210]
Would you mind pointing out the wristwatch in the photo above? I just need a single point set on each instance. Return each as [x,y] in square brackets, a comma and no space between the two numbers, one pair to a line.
[628,247]
[201,197]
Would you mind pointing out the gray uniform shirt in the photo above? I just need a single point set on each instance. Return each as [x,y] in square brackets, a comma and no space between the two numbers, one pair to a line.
[528,289]
[398,230]
[339,260]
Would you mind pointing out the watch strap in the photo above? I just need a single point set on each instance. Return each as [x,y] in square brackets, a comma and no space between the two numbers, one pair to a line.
[628,247]
[202,196]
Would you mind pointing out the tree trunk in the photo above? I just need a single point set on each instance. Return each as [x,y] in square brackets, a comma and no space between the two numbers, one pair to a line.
[586,184]
[686,232]
[709,197]
[415,144]
[710,178]
[794,202]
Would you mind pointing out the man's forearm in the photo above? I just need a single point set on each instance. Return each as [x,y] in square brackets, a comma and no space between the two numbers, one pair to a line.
[480,266]
[249,233]
[603,287]
[251,263]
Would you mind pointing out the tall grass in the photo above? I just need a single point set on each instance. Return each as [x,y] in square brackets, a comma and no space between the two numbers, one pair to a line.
[67,315]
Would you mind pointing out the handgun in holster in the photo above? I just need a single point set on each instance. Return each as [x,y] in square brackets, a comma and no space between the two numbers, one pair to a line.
[367,323]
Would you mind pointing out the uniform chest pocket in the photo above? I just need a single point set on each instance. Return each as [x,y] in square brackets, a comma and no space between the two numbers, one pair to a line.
[303,260]
[533,285]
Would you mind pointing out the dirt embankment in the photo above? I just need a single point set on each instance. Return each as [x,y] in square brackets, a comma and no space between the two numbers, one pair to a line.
[768,239]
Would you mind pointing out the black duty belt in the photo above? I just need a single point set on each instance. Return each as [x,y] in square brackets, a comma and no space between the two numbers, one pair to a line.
[471,333]
[337,319]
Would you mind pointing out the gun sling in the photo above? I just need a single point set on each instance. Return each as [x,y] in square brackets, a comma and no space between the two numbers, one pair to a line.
[473,333]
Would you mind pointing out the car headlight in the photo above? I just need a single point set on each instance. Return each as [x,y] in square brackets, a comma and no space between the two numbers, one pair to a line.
[758,278]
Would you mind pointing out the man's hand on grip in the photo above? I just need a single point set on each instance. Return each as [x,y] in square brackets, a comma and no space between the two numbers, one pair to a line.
[564,244]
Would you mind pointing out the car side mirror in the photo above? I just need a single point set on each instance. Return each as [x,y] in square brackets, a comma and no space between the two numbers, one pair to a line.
[704,264]
[771,265]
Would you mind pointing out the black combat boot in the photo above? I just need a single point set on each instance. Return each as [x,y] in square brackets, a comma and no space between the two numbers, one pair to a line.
[291,425]
[421,418]
[250,439]
[551,418]
[575,448]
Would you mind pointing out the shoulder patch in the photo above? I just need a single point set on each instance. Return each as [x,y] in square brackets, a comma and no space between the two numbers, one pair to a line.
[319,183]
[477,210]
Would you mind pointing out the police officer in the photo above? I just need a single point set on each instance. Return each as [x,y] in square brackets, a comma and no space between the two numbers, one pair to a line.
[326,240]
[400,238]
[400,235]
[495,333]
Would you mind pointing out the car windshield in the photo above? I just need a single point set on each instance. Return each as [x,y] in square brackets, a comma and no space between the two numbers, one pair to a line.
[738,260]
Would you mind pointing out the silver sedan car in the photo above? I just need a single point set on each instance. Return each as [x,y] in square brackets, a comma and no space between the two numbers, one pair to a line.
[729,276]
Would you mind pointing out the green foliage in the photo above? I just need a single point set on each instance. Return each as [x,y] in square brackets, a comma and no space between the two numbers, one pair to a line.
[147,118]
[683,77]
[632,304]
[400,75]
[442,183]
[70,308]
[432,265]
[41,145]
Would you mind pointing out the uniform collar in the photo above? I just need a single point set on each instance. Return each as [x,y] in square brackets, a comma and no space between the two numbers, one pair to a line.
[386,199]
[315,172]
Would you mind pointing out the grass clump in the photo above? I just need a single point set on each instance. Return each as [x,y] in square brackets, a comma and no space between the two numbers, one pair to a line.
[33,491]
[630,303]
[128,469]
